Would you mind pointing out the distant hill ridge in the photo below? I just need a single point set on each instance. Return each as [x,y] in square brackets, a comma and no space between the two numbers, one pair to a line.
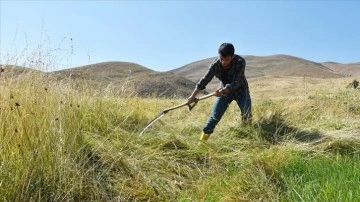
[181,81]
[281,65]
[274,65]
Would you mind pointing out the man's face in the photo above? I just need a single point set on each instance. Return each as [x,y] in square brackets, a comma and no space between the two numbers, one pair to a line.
[225,61]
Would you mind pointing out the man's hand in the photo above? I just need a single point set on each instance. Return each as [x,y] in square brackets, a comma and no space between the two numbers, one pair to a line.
[191,99]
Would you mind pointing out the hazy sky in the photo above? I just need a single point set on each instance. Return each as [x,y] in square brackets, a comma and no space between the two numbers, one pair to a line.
[164,35]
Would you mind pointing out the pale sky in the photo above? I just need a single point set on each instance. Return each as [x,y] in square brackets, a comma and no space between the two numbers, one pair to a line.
[164,35]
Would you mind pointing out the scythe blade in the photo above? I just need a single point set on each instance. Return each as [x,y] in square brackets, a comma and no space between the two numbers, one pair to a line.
[172,108]
[151,122]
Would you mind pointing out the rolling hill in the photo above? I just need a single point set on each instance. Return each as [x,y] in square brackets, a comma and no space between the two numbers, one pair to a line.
[120,75]
[256,66]
[115,78]
[14,70]
[349,69]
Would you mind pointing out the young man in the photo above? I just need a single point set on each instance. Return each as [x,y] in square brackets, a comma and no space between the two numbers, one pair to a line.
[229,68]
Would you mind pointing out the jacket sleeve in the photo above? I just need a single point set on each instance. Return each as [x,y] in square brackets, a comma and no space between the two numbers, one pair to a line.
[238,76]
[201,85]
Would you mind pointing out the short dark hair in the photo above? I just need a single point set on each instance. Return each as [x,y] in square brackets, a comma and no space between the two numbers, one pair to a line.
[226,49]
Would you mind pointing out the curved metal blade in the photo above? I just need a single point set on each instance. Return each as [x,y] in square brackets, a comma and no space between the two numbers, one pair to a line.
[151,122]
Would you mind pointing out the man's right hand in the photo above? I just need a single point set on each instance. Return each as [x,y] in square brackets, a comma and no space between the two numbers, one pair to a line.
[191,99]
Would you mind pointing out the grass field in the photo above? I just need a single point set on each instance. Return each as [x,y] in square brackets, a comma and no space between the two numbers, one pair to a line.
[66,141]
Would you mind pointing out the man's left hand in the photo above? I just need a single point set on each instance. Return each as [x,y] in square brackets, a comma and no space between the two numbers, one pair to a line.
[221,92]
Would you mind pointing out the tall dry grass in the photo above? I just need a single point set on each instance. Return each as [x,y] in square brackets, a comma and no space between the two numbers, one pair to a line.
[67,141]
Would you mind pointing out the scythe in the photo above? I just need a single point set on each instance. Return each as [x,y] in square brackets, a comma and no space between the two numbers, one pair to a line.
[162,113]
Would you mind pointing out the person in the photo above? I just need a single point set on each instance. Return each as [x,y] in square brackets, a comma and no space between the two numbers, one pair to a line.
[229,68]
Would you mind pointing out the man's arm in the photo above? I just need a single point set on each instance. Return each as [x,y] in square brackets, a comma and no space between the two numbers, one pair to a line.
[201,85]
[208,77]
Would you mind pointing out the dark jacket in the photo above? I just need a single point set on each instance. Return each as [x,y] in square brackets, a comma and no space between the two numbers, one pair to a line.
[236,75]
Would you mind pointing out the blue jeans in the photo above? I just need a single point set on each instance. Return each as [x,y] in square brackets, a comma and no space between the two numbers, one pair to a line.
[222,103]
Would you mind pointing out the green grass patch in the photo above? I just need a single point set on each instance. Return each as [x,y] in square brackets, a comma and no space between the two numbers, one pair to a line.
[309,177]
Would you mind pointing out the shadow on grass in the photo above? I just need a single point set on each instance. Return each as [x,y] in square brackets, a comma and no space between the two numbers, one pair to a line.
[275,129]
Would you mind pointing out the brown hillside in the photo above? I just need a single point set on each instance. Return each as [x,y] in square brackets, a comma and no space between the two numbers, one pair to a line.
[106,71]
[120,75]
[349,69]
[275,65]
[195,71]
[285,65]
[14,70]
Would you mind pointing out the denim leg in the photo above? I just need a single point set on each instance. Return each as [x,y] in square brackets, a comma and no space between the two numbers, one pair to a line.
[218,110]
[244,103]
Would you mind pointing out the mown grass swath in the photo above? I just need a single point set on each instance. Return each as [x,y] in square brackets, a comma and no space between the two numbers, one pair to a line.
[59,142]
